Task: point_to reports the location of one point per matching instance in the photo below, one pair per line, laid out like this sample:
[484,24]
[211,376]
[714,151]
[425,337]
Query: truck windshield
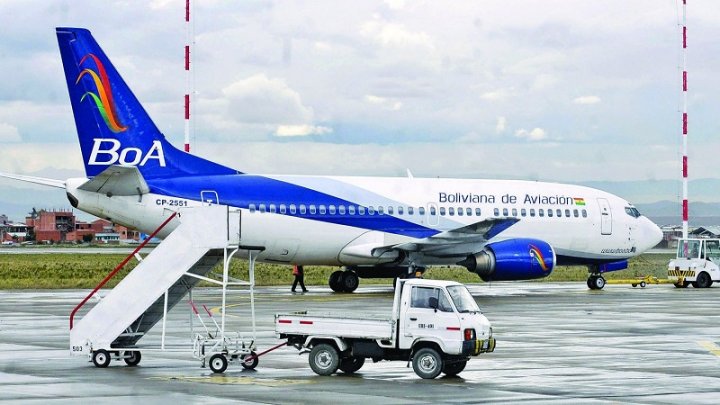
[689,249]
[464,302]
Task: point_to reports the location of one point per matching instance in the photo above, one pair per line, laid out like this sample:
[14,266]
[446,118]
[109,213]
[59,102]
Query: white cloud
[394,35]
[396,4]
[259,99]
[587,100]
[536,134]
[501,125]
[496,95]
[9,133]
[302,130]
[390,104]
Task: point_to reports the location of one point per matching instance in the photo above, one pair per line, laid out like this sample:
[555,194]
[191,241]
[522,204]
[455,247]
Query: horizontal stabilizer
[36,180]
[117,180]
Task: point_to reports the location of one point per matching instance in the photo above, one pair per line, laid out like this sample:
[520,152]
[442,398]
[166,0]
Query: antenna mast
[685,207]
[188,41]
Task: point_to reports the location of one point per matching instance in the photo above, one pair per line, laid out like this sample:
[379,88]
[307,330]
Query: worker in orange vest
[298,272]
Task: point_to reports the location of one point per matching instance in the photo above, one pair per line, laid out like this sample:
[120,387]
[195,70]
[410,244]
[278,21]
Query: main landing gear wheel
[251,362]
[596,282]
[218,363]
[101,358]
[349,281]
[132,359]
[334,281]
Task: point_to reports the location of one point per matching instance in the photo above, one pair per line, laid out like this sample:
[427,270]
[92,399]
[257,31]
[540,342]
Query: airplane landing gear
[596,282]
[344,281]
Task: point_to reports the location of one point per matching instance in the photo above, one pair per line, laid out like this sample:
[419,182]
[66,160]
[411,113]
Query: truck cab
[441,312]
[697,262]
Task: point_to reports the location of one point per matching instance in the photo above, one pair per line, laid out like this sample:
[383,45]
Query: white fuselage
[580,223]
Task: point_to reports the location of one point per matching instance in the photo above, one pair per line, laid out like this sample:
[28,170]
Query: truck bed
[337,325]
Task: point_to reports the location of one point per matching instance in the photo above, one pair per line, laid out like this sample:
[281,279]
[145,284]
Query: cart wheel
[251,362]
[101,358]
[642,284]
[133,360]
[634,285]
[218,363]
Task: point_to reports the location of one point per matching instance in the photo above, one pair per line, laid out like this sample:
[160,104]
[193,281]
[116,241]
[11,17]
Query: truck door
[422,321]
[605,217]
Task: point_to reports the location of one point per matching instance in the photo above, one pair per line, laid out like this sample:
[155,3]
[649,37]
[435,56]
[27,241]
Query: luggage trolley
[217,346]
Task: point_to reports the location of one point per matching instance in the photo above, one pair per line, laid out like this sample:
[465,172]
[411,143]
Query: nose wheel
[596,282]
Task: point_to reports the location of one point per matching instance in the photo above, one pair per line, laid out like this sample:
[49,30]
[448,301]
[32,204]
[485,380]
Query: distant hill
[651,191]
[669,213]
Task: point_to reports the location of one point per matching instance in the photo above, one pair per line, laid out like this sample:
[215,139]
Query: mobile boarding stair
[205,236]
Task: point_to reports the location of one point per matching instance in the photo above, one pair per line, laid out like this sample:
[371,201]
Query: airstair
[205,236]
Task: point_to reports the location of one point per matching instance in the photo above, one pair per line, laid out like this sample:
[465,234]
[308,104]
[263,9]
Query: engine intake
[512,259]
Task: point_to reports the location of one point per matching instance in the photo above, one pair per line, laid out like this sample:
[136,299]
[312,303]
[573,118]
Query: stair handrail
[120,266]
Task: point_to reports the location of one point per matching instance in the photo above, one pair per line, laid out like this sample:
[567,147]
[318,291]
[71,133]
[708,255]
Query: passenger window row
[322,209]
[541,212]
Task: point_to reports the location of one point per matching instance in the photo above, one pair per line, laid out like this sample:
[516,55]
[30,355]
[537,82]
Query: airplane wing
[475,233]
[36,180]
[117,180]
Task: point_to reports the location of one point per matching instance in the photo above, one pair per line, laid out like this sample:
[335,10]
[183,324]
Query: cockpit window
[633,212]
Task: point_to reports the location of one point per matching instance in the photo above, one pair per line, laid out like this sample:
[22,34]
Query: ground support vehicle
[436,325]
[643,281]
[697,263]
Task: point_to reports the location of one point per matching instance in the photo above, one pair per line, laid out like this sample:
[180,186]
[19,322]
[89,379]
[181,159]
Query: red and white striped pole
[685,207]
[187,75]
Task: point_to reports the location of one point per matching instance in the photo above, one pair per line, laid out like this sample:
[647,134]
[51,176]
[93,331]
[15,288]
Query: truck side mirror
[433,303]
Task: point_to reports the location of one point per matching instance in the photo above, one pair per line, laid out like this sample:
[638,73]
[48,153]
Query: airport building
[58,226]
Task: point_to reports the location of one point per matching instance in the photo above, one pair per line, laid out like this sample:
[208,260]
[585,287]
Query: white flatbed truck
[697,263]
[435,324]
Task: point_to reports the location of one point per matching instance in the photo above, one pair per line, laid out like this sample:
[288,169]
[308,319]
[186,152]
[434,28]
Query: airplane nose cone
[652,234]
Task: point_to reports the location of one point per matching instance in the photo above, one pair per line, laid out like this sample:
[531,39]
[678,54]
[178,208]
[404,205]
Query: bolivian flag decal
[579,201]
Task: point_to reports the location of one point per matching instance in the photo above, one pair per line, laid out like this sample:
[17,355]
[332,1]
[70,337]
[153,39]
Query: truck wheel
[334,281]
[427,363]
[453,369]
[349,281]
[133,359]
[218,363]
[101,358]
[324,359]
[350,365]
[703,281]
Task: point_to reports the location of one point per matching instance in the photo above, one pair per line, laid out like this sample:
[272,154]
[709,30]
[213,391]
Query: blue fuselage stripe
[242,190]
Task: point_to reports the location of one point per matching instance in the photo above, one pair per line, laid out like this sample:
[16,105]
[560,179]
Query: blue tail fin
[113,127]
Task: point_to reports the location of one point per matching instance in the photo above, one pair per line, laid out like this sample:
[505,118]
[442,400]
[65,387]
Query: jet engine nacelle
[512,259]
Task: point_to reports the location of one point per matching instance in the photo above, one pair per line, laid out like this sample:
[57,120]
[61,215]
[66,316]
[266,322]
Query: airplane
[373,226]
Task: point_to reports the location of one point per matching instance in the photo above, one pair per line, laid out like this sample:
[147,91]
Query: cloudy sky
[553,90]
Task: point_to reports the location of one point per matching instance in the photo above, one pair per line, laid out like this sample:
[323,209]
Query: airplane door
[605,217]
[433,218]
[209,197]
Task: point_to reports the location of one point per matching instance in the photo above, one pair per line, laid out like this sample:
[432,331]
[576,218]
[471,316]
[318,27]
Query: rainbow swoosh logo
[103,99]
[535,252]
